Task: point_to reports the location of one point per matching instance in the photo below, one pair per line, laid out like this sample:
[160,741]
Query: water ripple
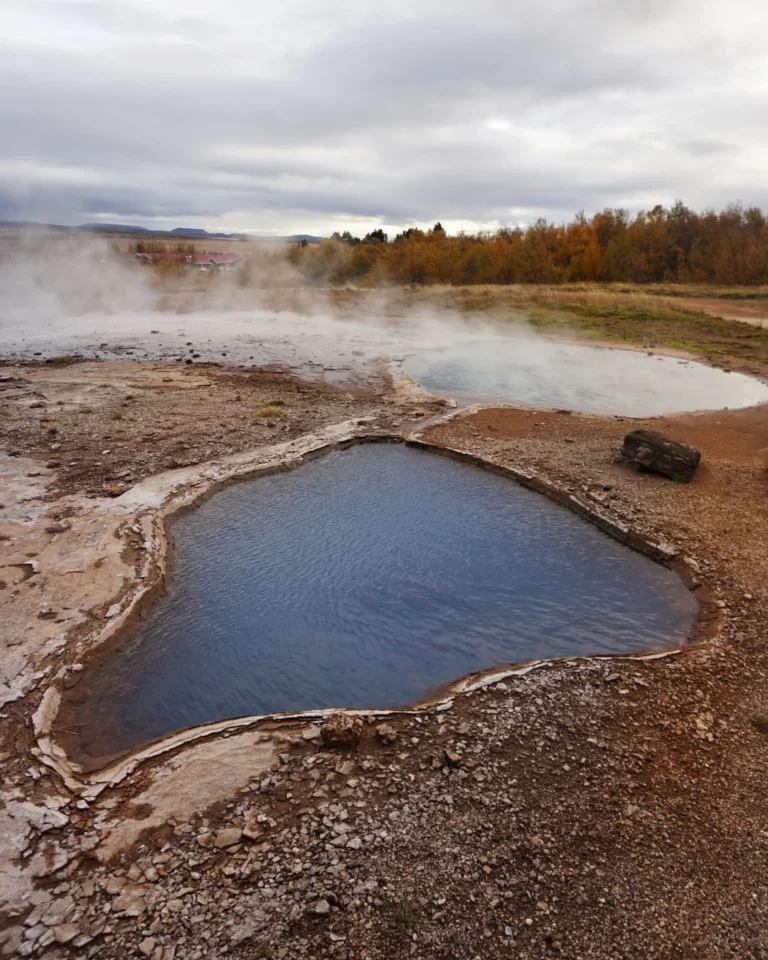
[363,579]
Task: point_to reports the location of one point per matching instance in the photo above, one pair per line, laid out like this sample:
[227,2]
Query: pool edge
[88,783]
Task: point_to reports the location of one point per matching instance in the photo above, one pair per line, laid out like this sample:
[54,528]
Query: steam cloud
[67,295]
[64,294]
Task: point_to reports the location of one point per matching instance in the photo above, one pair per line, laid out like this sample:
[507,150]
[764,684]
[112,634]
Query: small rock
[11,939]
[57,527]
[147,946]
[130,901]
[65,932]
[58,912]
[243,933]
[228,837]
[71,680]
[322,908]
[135,908]
[386,733]
[342,730]
[253,830]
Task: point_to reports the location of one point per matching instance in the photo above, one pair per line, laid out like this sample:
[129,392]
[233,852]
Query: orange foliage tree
[661,245]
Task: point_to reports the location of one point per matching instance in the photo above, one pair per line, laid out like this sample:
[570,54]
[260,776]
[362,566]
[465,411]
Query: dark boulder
[657,453]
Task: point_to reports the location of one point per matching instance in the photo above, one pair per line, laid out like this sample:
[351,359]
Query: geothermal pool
[542,373]
[470,361]
[367,578]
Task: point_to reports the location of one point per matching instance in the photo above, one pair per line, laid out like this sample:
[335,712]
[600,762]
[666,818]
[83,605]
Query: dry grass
[621,313]
[270,410]
[620,300]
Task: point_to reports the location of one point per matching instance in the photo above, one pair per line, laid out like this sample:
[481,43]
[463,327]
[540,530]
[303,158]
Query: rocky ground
[608,808]
[102,426]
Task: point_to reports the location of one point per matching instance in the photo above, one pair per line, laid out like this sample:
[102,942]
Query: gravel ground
[604,809]
[104,426]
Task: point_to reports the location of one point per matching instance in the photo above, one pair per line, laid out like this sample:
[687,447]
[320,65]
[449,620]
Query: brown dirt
[608,810]
[109,425]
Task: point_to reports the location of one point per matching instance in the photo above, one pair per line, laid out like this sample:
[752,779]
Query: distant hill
[113,227]
[197,233]
[194,232]
[189,233]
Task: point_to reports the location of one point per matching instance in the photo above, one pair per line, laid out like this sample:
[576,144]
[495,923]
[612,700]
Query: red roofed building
[202,261]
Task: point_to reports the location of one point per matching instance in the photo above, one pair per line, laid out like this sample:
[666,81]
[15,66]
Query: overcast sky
[315,115]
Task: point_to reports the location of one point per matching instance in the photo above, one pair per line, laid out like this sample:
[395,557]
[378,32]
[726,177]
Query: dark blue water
[543,373]
[363,579]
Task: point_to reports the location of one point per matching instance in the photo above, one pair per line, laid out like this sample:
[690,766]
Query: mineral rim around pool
[367,578]
[542,373]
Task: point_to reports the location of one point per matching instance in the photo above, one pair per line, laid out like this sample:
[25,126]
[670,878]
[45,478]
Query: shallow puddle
[542,373]
[366,578]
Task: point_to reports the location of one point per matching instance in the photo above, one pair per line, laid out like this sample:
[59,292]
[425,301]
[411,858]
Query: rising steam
[79,294]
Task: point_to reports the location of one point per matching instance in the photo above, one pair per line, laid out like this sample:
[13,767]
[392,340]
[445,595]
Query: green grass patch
[63,360]
[760,724]
[691,332]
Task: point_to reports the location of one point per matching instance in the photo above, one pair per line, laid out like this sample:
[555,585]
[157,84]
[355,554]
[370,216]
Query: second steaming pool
[586,379]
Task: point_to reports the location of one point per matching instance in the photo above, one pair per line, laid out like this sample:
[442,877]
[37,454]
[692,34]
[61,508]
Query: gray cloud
[317,115]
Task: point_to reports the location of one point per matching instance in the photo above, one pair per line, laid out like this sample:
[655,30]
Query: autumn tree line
[674,245]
